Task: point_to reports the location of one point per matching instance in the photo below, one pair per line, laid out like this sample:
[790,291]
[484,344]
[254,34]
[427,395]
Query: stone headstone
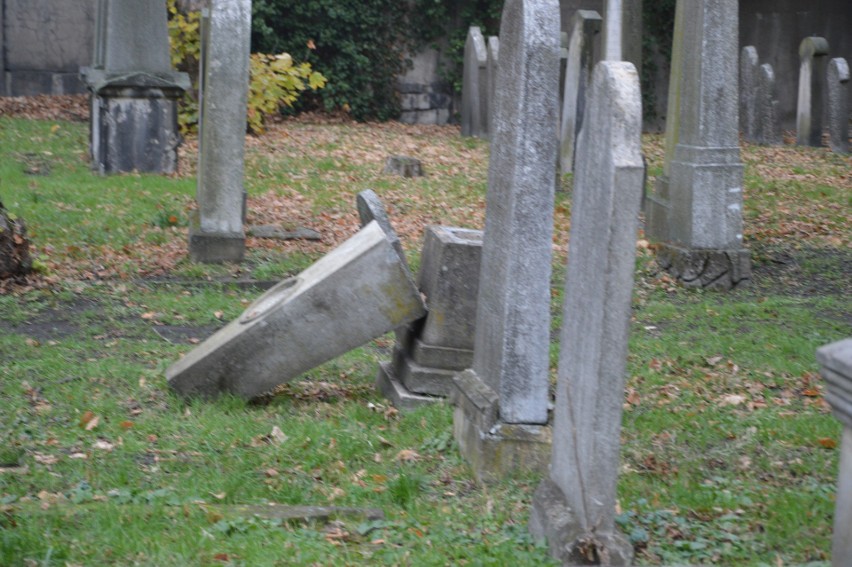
[813,57]
[837,114]
[695,211]
[509,378]
[492,58]
[584,25]
[430,351]
[474,111]
[218,234]
[357,292]
[134,92]
[612,25]
[766,113]
[371,208]
[575,507]
[748,92]
[836,368]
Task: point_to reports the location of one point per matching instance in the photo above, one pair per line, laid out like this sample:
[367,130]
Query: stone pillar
[575,507]
[748,92]
[695,211]
[502,402]
[134,92]
[585,24]
[613,30]
[836,362]
[766,113]
[474,111]
[492,53]
[217,234]
[813,56]
[837,114]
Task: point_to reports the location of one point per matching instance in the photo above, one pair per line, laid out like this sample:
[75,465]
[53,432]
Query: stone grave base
[552,519]
[403,399]
[214,248]
[495,449]
[711,269]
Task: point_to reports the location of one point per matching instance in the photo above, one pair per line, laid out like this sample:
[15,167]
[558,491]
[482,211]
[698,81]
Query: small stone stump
[404,166]
[836,362]
[15,260]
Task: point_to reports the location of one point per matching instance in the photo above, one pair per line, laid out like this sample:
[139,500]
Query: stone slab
[421,379]
[474,112]
[837,112]
[813,58]
[836,368]
[440,357]
[749,64]
[712,269]
[841,546]
[214,248]
[357,292]
[370,208]
[768,122]
[47,35]
[401,398]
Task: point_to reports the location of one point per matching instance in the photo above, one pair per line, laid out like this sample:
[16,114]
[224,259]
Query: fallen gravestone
[575,508]
[370,208]
[836,368]
[813,57]
[837,114]
[502,402]
[357,292]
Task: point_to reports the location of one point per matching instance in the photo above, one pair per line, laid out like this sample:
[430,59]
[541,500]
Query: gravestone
[836,368]
[837,114]
[134,91]
[404,166]
[492,58]
[585,24]
[217,234]
[612,30]
[766,113]
[501,412]
[695,211]
[370,208]
[574,508]
[813,57]
[357,292]
[430,351]
[474,110]
[749,90]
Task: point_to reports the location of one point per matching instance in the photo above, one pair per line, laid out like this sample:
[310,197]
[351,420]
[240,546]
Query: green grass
[729,454]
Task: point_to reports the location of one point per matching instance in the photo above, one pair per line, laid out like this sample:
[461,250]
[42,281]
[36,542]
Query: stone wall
[43,43]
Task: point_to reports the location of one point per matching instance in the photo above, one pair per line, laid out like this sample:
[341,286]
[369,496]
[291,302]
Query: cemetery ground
[729,452]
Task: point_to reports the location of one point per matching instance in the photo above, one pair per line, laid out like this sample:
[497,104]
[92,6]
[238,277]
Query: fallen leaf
[731,400]
[46,459]
[103,445]
[828,442]
[407,456]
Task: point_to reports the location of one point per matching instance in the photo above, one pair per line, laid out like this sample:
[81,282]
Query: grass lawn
[729,452]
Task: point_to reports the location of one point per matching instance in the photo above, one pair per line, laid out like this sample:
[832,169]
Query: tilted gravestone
[837,114]
[584,25]
[813,57]
[695,211]
[474,110]
[836,368]
[359,291]
[502,402]
[134,91]
[749,89]
[430,351]
[217,234]
[574,508]
[767,121]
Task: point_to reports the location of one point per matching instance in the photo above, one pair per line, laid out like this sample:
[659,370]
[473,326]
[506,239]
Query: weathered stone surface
[46,35]
[226,36]
[15,260]
[696,206]
[837,114]
[768,122]
[371,208]
[585,24]
[404,166]
[612,25]
[474,109]
[836,368]
[748,92]
[357,292]
[401,397]
[813,57]
[492,60]
[512,320]
[608,186]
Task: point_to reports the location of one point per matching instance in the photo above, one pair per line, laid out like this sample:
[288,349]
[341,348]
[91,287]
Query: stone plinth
[134,92]
[836,362]
[429,352]
[359,291]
